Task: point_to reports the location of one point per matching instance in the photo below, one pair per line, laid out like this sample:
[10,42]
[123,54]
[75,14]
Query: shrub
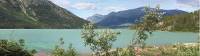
[60,51]
[179,50]
[13,48]
[187,51]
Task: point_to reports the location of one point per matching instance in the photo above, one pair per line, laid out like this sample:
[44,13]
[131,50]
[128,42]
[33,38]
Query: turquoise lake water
[46,39]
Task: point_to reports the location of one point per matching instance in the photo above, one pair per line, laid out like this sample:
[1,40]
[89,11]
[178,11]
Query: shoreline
[194,44]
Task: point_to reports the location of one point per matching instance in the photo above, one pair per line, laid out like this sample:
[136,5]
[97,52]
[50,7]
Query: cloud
[184,5]
[62,3]
[84,6]
[188,3]
[114,8]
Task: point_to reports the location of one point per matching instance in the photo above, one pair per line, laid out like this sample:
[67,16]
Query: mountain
[129,16]
[36,14]
[95,18]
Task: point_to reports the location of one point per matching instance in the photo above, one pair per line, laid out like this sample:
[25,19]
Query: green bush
[187,51]
[99,43]
[13,48]
[179,50]
[60,51]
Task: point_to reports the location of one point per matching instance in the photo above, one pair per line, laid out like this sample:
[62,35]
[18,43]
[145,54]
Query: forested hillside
[182,22]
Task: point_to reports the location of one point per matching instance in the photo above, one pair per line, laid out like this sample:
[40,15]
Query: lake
[46,39]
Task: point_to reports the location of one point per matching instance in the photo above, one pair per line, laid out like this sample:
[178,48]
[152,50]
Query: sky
[86,8]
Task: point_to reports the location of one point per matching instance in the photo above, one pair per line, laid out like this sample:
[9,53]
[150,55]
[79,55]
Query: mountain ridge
[129,16]
[95,18]
[36,14]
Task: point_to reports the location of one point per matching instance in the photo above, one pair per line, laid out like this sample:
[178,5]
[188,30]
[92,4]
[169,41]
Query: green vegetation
[151,22]
[171,50]
[60,51]
[147,26]
[187,22]
[182,22]
[187,51]
[99,43]
[13,48]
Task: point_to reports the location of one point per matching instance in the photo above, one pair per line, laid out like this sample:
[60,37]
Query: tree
[99,43]
[182,22]
[147,25]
